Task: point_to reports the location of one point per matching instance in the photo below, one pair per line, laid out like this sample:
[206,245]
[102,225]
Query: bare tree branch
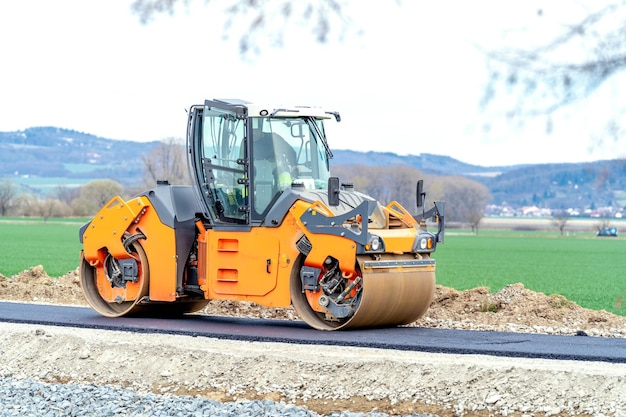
[7,196]
[166,162]
[563,70]
[147,9]
[259,23]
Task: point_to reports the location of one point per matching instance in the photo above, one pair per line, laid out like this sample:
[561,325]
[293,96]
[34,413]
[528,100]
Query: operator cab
[243,156]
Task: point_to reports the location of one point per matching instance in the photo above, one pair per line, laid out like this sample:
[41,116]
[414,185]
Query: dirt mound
[514,308]
[517,308]
[34,285]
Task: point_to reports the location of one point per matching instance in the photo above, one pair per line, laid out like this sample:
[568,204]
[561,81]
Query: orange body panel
[397,240]
[252,265]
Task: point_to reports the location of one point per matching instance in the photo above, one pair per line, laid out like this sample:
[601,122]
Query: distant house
[531,211]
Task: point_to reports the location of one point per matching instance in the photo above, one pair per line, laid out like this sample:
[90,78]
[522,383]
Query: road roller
[263,221]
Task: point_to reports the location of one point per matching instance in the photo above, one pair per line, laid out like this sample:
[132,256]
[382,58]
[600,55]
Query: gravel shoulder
[324,379]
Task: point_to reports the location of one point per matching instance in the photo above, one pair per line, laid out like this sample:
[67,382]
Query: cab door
[235,257]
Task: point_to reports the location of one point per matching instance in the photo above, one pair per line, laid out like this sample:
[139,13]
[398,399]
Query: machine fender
[327,236]
[107,228]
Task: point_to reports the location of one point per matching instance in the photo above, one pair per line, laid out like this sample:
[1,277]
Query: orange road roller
[265,222]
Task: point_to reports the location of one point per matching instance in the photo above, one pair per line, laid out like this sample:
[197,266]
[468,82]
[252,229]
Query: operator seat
[273,156]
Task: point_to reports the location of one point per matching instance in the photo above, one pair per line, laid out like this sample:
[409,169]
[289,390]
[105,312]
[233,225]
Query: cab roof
[265,110]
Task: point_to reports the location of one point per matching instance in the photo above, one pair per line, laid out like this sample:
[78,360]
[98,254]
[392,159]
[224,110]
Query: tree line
[465,198]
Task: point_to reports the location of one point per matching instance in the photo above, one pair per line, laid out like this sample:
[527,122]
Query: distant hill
[67,155]
[561,186]
[428,163]
[55,152]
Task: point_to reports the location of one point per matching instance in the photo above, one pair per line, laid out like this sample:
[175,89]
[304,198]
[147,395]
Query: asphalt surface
[580,348]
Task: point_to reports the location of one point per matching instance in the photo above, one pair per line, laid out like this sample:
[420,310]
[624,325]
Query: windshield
[286,151]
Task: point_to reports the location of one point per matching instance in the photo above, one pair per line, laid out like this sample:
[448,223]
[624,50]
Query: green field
[29,242]
[588,270]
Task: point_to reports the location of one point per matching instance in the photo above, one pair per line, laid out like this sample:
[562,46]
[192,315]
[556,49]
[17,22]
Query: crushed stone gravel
[307,380]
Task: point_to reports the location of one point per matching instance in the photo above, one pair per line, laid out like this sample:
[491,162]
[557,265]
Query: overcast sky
[407,79]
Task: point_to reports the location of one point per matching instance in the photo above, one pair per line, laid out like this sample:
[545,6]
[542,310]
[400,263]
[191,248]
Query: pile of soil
[34,285]
[514,308]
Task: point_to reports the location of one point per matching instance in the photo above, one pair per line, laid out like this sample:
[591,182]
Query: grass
[29,242]
[585,269]
[588,270]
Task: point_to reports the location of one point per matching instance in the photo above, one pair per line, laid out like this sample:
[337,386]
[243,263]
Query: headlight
[375,244]
[424,242]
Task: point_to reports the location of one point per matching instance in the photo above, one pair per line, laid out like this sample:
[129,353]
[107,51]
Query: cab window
[223,145]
